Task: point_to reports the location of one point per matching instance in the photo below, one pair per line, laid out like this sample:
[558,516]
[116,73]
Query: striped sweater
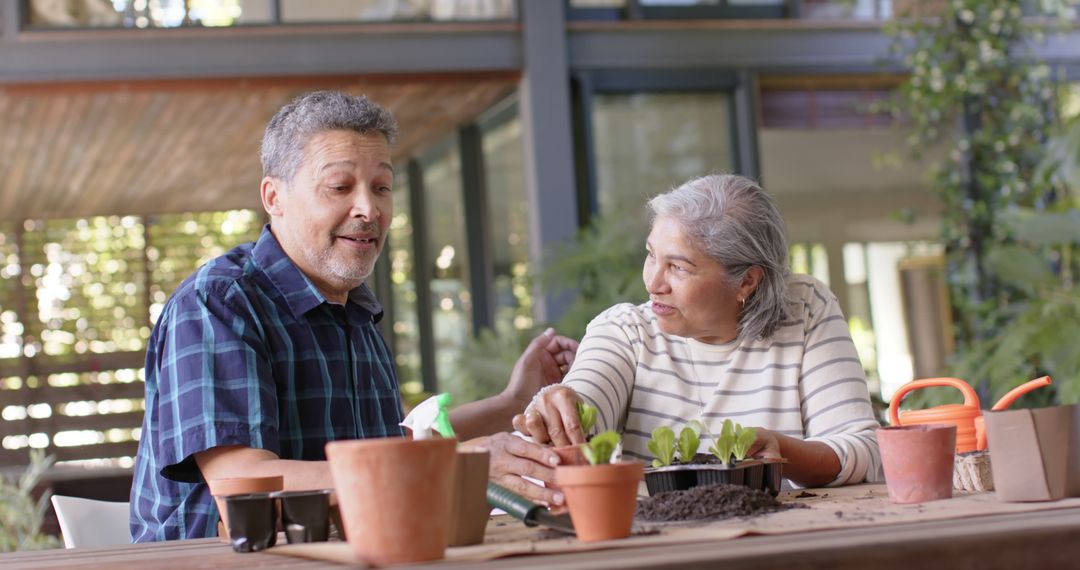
[806,381]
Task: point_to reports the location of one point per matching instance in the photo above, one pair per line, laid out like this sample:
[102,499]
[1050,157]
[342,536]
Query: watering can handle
[970,397]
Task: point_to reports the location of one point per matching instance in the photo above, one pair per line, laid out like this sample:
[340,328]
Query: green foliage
[976,90]
[486,363]
[689,441]
[587,417]
[733,442]
[662,446]
[599,267]
[601,447]
[20,515]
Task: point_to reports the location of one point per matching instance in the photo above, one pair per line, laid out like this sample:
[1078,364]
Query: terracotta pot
[469,511]
[395,496]
[601,498]
[221,488]
[918,461]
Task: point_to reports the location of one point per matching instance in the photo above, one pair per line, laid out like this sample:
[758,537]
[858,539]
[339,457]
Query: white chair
[86,523]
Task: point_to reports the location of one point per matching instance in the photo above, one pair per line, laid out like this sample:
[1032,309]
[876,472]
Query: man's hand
[545,361]
[512,458]
[553,417]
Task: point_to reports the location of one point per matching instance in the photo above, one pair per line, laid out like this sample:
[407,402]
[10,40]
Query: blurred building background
[129,134]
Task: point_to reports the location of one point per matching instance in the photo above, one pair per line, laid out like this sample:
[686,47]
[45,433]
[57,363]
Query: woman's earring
[742,301]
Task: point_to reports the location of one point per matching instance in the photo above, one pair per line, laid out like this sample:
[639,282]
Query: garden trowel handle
[514,504]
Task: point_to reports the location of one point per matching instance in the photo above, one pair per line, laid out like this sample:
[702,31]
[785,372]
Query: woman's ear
[750,281]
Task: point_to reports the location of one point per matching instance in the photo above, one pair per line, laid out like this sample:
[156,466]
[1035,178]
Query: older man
[271,350]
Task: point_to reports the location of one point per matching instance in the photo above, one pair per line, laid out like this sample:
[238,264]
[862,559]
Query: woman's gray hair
[289,131]
[735,222]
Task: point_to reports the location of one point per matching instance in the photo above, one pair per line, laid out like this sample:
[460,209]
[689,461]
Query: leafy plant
[599,267]
[601,447]
[662,446]
[976,90]
[733,442]
[689,441]
[587,417]
[20,515]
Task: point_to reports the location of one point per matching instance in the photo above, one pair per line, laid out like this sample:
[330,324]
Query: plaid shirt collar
[300,294]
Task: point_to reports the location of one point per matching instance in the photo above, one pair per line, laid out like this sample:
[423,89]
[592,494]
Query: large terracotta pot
[221,488]
[395,496]
[602,498]
[918,461]
[469,511]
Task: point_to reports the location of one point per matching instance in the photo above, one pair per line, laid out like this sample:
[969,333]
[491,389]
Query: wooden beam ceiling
[84,149]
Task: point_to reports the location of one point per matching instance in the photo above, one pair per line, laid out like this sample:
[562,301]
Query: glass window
[181,243]
[646,143]
[149,13]
[450,298]
[89,279]
[507,203]
[845,9]
[399,254]
[11,327]
[294,11]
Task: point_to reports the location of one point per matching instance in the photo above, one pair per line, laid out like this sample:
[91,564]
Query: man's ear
[271,190]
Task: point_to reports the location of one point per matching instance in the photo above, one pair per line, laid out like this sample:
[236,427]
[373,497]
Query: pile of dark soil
[709,502]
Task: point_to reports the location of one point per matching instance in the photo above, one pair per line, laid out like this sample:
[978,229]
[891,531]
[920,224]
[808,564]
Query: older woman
[727,334]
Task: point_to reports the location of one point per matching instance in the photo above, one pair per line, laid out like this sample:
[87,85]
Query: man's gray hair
[289,131]
[736,223]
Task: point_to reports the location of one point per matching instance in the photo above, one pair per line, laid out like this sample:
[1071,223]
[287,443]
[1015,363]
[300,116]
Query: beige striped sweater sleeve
[805,381]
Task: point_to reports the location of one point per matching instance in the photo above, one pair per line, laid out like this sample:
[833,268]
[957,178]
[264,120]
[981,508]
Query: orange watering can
[967,417]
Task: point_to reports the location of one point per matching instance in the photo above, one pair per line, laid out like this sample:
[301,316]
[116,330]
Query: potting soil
[708,502]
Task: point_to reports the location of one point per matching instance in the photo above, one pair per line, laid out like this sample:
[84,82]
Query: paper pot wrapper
[1035,453]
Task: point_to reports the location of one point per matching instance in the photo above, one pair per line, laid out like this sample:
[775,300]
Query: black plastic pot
[761,474]
[252,522]
[305,515]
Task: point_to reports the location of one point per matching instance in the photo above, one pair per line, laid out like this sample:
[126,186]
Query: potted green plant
[726,463]
[572,454]
[601,495]
[20,514]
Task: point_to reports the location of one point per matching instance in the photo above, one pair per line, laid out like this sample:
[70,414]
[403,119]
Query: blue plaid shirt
[248,352]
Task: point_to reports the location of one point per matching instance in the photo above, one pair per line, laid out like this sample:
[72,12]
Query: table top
[1011,540]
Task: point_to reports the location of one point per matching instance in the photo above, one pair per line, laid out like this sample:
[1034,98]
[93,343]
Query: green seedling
[587,417]
[689,441]
[744,438]
[733,442]
[600,448]
[662,446]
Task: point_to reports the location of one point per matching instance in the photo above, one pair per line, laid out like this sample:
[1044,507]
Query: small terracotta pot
[394,495]
[221,488]
[601,498]
[469,511]
[918,461]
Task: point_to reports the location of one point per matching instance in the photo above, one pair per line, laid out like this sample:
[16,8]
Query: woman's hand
[513,458]
[766,445]
[552,417]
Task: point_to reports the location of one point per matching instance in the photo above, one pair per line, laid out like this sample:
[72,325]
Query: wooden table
[1023,540]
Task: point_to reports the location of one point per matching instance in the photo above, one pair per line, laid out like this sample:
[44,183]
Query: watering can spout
[1014,394]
